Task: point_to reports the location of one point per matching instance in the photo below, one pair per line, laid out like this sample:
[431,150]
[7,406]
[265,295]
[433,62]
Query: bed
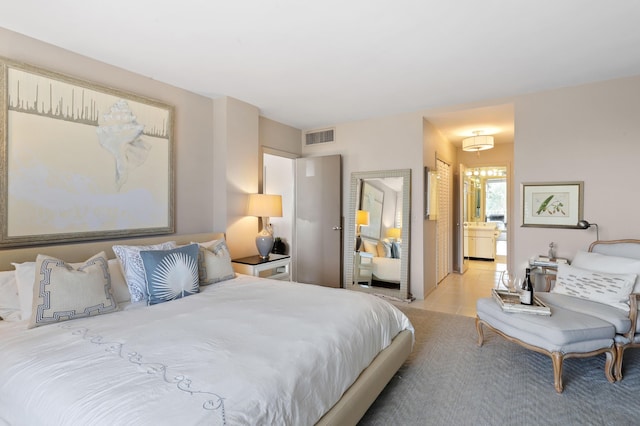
[385,259]
[245,350]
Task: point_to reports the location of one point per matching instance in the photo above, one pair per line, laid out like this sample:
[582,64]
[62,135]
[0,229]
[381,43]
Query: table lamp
[394,233]
[362,219]
[265,206]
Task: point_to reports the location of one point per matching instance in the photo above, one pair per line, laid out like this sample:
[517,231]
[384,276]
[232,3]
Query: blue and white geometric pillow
[132,268]
[171,274]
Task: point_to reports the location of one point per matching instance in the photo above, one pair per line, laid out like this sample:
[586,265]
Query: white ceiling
[311,64]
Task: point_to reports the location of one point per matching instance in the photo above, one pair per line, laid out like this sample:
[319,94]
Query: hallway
[457,294]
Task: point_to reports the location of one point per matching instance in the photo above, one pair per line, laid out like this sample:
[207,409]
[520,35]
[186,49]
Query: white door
[317,257]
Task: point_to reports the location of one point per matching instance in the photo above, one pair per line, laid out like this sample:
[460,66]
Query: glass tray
[510,302]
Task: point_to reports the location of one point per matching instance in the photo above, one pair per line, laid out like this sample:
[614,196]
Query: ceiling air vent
[319,136]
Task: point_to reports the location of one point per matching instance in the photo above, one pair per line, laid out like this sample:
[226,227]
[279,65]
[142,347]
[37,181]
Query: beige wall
[193,136]
[386,143]
[588,133]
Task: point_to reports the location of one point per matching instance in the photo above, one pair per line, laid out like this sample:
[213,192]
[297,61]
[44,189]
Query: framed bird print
[552,205]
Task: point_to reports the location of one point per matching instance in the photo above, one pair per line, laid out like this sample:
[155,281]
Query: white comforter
[245,351]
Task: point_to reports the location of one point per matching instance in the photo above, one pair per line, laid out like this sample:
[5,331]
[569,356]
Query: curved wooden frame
[633,303]
[557,358]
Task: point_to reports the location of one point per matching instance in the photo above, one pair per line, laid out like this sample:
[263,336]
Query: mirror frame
[356,177]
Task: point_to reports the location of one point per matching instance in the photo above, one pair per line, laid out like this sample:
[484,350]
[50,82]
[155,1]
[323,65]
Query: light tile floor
[458,293]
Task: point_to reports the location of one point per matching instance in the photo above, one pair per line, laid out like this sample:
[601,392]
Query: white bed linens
[386,269]
[244,351]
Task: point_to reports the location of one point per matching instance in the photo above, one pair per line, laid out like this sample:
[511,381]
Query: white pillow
[384,249]
[25,276]
[608,264]
[214,262]
[9,300]
[63,292]
[133,269]
[610,289]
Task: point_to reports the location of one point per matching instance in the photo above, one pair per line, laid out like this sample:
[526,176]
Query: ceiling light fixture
[478,142]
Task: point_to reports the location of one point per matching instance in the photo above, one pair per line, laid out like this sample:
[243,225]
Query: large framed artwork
[80,161]
[552,205]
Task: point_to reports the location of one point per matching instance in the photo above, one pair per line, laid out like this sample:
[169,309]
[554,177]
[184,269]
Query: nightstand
[276,267]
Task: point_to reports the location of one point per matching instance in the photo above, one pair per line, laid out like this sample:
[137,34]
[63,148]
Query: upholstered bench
[564,334]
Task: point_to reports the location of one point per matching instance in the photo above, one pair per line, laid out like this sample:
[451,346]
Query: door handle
[337,228]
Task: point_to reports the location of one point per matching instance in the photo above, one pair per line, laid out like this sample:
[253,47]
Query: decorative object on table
[551,253]
[71,141]
[279,246]
[478,142]
[512,282]
[552,205]
[583,224]
[362,219]
[265,206]
[510,302]
[526,295]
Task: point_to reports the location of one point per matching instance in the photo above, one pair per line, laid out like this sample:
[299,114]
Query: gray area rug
[450,380]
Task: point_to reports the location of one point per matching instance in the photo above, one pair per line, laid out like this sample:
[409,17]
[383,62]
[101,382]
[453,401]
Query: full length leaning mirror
[376,258]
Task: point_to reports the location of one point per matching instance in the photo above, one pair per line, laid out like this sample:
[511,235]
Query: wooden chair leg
[479,330]
[612,359]
[618,363]
[557,358]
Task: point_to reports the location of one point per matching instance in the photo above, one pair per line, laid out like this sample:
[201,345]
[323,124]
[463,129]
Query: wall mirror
[376,258]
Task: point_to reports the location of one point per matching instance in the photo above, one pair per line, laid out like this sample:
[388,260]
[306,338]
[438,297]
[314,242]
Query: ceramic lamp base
[264,243]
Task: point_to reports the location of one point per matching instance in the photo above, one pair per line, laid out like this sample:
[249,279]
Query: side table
[276,267]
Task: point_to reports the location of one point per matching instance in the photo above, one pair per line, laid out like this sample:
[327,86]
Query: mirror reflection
[377,252]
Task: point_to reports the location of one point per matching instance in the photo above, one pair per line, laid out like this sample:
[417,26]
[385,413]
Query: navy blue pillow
[171,274]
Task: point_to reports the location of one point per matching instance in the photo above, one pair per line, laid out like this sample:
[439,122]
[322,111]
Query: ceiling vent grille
[319,136]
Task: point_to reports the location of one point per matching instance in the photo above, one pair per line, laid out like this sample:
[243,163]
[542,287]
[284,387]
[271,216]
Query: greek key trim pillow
[214,262]
[62,292]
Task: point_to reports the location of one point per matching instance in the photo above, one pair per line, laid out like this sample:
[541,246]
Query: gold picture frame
[81,161]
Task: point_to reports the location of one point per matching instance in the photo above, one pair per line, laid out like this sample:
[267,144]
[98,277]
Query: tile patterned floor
[457,293]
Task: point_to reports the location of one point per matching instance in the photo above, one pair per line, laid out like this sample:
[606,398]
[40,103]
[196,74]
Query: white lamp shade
[477,143]
[265,205]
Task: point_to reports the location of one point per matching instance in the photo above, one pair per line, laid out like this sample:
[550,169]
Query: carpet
[450,380]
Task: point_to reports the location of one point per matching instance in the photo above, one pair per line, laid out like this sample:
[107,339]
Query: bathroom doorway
[484,217]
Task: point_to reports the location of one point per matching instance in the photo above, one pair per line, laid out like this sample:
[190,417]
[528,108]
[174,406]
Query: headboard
[621,248]
[81,251]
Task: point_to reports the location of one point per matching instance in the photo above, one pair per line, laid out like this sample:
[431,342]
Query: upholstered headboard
[78,252]
[621,248]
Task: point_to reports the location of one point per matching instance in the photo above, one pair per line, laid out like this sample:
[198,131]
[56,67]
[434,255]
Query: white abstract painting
[81,160]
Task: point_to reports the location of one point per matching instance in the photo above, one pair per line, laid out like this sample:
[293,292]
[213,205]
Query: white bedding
[386,269]
[244,351]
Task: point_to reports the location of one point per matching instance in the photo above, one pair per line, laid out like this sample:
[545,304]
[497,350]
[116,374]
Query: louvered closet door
[443,224]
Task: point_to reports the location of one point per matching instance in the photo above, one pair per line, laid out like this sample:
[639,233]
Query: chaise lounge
[594,310]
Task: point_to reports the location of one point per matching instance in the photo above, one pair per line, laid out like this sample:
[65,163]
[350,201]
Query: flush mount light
[478,142]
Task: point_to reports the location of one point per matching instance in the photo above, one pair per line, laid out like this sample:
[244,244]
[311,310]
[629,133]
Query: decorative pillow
[396,250]
[9,301]
[214,262]
[171,274]
[118,283]
[132,268]
[609,264]
[610,289]
[384,249]
[62,292]
[370,247]
[25,275]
